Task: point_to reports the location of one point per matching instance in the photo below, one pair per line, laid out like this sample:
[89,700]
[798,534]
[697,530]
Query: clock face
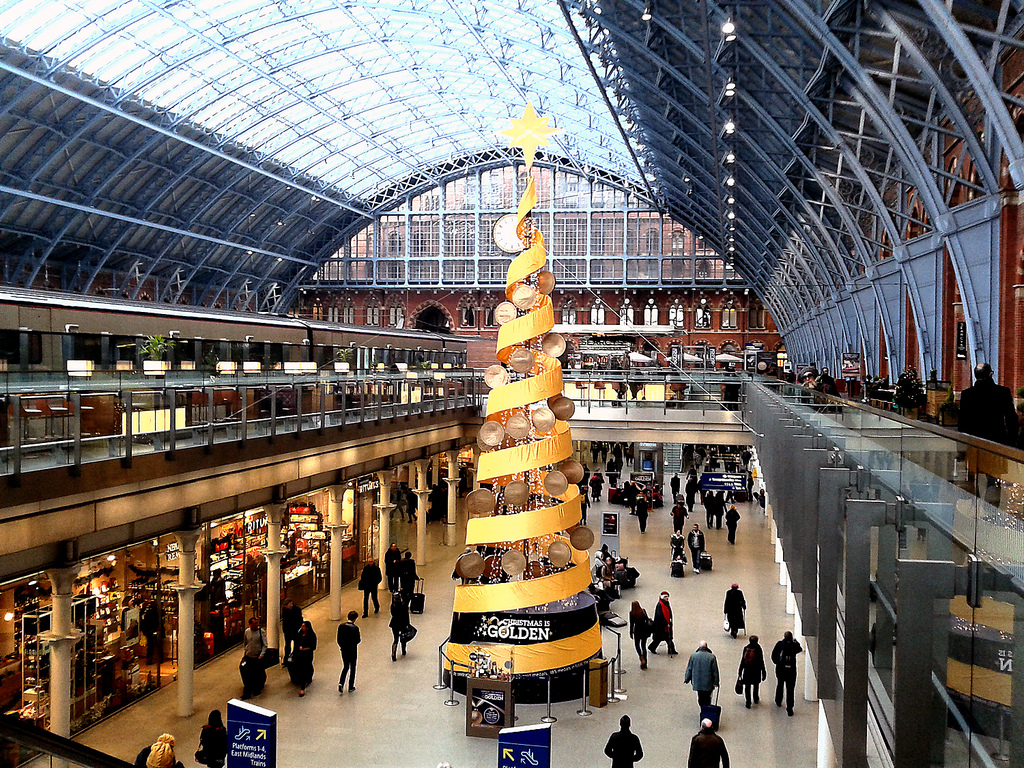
[505,234]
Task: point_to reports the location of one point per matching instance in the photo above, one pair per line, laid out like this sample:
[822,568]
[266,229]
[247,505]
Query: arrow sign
[533,743]
[507,754]
[261,734]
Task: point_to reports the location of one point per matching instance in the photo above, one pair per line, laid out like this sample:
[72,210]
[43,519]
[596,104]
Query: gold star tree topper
[529,132]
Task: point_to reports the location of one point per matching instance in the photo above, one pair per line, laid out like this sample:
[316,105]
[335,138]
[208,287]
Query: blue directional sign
[525,747]
[252,736]
[723,481]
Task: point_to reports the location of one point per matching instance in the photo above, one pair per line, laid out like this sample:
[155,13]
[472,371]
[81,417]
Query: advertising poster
[851,364]
[766,362]
[489,706]
[610,524]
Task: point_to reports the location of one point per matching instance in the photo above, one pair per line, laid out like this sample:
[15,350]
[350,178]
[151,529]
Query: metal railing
[85,423]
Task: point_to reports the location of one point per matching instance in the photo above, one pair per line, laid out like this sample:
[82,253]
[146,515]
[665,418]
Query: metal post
[439,685]
[548,717]
[16,440]
[451,702]
[172,425]
[321,391]
[617,688]
[273,412]
[362,401]
[344,404]
[298,411]
[209,419]
[584,710]
[243,401]
[126,460]
[76,434]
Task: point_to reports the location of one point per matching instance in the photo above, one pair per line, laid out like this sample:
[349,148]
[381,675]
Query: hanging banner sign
[961,340]
[851,364]
[522,628]
[723,481]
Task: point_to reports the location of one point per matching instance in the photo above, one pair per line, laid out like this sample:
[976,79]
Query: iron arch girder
[984,87]
[776,129]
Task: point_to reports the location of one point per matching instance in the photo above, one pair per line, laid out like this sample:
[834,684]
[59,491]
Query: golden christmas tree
[523,606]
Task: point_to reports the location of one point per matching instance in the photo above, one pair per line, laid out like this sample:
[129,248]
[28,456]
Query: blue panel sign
[723,481]
[525,747]
[252,736]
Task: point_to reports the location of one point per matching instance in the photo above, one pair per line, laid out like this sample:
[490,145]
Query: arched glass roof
[355,95]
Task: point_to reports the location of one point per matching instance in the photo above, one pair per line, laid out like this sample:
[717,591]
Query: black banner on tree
[521,628]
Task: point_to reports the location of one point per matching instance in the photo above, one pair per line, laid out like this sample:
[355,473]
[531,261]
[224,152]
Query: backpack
[749,656]
[787,659]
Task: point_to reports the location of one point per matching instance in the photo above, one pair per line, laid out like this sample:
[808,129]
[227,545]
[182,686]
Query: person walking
[752,671]
[674,484]
[702,673]
[407,576]
[643,506]
[291,622]
[213,742]
[369,581]
[732,518]
[695,541]
[584,506]
[719,509]
[391,559]
[735,605]
[707,748]
[662,626]
[640,628]
[986,409]
[596,484]
[623,746]
[348,642]
[692,486]
[412,503]
[679,515]
[399,623]
[784,658]
[301,668]
[254,648]
[707,499]
[159,754]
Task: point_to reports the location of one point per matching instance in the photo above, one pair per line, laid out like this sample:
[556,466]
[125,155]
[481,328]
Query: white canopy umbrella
[725,357]
[688,358]
[637,357]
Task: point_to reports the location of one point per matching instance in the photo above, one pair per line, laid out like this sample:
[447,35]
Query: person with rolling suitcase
[251,668]
[418,599]
[407,576]
[695,541]
[707,748]
[702,673]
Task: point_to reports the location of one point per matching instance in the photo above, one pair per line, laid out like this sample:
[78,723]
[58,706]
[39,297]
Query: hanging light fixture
[647,15]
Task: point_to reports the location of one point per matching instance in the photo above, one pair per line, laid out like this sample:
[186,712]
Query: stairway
[673,456]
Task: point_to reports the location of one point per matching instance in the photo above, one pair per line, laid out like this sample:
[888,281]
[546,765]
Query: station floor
[395,718]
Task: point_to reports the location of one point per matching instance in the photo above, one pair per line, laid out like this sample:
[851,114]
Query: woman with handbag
[640,628]
[213,742]
[752,671]
[301,666]
[401,630]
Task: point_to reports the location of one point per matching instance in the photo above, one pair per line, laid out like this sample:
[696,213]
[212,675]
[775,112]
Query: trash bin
[598,682]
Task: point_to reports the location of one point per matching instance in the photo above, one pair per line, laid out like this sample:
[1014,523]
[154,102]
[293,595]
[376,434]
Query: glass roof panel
[362,92]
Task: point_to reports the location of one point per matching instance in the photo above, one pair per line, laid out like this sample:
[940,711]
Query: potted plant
[909,393]
[153,350]
[949,409]
[343,359]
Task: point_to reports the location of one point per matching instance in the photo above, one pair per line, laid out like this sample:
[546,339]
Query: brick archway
[433,317]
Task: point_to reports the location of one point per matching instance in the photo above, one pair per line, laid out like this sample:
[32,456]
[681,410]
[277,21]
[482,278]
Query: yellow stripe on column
[509,461]
[479,598]
[538,657]
[525,525]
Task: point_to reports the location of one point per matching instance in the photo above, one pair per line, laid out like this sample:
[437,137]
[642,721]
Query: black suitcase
[706,562]
[418,599]
[711,712]
[678,569]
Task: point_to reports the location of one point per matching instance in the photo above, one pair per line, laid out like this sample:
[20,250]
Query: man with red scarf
[662,626]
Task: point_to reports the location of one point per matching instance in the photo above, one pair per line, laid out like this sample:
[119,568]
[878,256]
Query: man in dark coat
[291,622]
[407,575]
[623,746]
[662,626]
[642,509]
[707,749]
[735,605]
[369,580]
[695,541]
[784,658]
[732,517]
[679,516]
[674,484]
[752,671]
[391,569]
[348,640]
[692,485]
[986,409]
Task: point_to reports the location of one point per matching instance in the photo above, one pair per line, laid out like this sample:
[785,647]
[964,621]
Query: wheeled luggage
[706,561]
[418,599]
[254,676]
[712,712]
[679,568]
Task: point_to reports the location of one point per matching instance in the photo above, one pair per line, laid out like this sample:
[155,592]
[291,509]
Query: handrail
[41,740]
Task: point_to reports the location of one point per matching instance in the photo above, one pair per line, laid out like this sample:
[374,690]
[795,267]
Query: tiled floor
[395,718]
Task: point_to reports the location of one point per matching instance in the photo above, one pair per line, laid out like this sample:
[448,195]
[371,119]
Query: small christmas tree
[909,392]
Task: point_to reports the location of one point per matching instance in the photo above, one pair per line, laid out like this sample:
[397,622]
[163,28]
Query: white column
[62,638]
[274,552]
[384,508]
[453,497]
[337,527]
[186,588]
[826,750]
[422,495]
